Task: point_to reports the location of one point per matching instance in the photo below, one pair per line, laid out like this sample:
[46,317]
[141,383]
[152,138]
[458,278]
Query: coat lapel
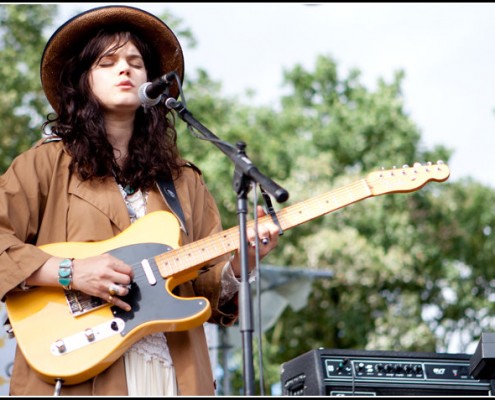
[105,196]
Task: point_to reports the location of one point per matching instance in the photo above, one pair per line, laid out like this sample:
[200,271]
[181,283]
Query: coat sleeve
[23,190]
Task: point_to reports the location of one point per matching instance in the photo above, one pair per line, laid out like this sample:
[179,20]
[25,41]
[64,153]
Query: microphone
[150,93]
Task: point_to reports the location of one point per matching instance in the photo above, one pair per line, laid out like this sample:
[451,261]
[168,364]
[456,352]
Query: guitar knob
[60,345]
[90,335]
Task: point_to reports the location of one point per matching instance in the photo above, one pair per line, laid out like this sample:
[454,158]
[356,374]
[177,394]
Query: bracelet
[65,273]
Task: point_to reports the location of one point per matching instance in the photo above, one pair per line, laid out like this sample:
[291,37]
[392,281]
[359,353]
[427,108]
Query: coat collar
[106,197]
[103,195]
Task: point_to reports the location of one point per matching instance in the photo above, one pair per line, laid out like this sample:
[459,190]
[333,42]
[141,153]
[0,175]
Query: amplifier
[337,372]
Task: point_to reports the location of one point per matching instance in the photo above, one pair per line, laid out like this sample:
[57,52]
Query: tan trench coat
[42,203]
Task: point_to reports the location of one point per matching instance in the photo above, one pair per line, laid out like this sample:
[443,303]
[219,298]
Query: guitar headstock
[406,179]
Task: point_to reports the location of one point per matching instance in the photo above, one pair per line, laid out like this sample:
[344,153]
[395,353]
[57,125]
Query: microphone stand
[245,172]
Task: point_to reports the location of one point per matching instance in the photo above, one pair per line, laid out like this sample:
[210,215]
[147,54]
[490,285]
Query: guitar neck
[199,253]
[403,180]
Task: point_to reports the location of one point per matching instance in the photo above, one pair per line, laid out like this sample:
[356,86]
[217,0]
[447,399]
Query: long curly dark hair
[152,152]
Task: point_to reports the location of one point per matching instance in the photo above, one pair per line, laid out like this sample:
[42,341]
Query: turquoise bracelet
[65,273]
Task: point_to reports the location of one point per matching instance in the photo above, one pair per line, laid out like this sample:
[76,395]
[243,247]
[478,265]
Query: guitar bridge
[88,336]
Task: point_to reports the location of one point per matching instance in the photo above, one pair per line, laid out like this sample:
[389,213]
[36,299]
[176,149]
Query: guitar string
[360,188]
[220,240]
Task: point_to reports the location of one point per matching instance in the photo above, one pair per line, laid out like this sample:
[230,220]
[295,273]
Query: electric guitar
[70,336]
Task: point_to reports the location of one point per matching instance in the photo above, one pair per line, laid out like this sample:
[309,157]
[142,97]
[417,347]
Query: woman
[94,175]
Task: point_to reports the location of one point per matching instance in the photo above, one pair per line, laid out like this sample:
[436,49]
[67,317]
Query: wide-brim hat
[69,38]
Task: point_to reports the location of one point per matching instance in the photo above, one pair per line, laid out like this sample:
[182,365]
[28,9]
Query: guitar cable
[271,212]
[258,290]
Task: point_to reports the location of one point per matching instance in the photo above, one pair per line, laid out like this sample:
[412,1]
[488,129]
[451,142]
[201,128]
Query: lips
[125,84]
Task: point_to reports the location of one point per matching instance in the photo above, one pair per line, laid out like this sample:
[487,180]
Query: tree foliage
[411,271]
[22,104]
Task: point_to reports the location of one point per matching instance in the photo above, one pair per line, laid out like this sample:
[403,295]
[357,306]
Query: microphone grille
[143,97]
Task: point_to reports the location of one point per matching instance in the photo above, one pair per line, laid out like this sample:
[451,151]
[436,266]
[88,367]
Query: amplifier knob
[417,369]
[342,366]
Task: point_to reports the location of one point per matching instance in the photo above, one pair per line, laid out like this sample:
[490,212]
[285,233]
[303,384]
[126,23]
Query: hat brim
[71,36]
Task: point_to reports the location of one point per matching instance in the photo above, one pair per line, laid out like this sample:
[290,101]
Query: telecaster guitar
[68,336]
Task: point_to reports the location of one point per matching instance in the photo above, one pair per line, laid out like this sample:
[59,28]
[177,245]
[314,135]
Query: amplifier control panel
[393,369]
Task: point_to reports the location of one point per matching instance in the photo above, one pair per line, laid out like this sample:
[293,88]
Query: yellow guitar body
[41,316]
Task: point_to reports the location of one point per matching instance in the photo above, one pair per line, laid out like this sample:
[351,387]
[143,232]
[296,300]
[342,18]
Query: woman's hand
[103,276]
[268,234]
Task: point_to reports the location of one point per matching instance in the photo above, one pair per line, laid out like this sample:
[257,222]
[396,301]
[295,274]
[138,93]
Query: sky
[446,50]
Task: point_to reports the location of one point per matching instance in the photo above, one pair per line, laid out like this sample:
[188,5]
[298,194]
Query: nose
[123,67]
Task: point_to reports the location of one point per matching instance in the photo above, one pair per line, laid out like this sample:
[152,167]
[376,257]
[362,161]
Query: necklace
[128,190]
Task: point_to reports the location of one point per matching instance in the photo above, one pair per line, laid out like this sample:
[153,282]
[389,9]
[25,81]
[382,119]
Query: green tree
[333,132]
[22,104]
[411,271]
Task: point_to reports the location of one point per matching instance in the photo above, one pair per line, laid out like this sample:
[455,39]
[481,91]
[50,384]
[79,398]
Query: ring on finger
[265,240]
[113,289]
[110,298]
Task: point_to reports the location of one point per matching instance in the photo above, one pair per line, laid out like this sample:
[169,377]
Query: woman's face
[116,77]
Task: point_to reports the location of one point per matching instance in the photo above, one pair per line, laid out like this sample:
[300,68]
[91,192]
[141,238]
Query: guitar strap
[169,194]
[270,210]
[167,189]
